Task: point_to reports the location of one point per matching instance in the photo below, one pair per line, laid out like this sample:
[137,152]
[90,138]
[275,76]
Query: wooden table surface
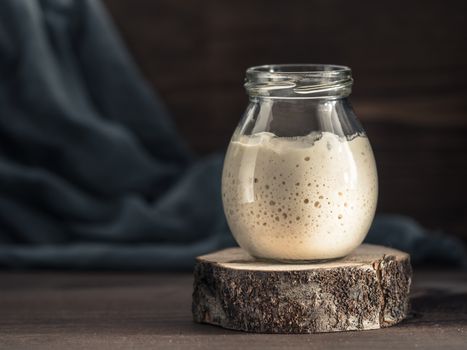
[153,311]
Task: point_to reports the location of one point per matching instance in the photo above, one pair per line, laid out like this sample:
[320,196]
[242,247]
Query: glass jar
[299,181]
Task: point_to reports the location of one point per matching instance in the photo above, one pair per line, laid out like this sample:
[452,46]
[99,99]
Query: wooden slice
[368,289]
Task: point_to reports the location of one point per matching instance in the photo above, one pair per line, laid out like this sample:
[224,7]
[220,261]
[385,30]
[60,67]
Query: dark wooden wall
[409,61]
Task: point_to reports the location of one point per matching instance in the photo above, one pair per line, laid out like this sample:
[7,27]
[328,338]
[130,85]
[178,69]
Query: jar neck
[303,81]
[299,117]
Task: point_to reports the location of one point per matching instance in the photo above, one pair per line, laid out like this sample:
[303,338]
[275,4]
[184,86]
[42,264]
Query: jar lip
[299,80]
[305,69]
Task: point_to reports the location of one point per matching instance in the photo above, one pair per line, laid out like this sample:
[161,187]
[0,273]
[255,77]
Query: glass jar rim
[314,69]
[299,80]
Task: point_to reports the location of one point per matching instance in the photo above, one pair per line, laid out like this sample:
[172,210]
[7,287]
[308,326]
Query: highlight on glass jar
[299,181]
